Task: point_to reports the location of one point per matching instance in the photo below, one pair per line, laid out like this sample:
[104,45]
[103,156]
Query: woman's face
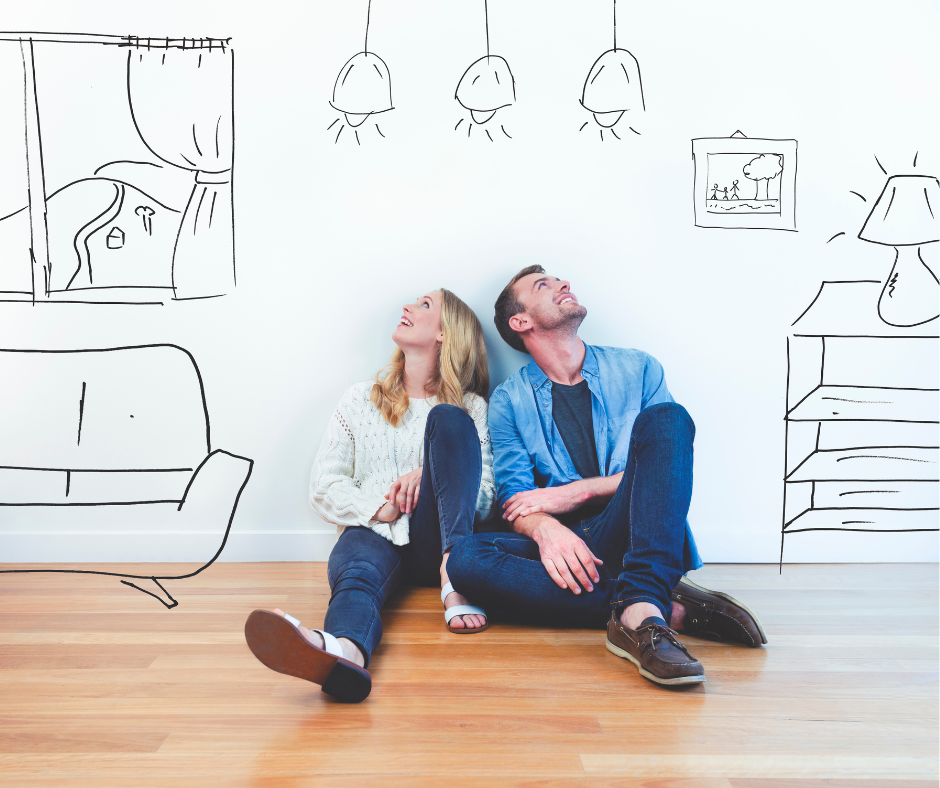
[420,325]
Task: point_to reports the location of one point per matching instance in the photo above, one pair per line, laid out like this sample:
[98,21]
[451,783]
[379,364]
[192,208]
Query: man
[593,464]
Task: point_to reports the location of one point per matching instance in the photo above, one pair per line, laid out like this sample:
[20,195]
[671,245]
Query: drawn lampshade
[363,88]
[613,87]
[904,217]
[486,87]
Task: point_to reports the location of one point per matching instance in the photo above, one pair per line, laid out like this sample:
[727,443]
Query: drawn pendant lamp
[363,88]
[613,88]
[905,217]
[485,88]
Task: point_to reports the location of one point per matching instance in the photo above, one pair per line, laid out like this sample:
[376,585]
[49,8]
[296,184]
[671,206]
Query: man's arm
[561,499]
[563,553]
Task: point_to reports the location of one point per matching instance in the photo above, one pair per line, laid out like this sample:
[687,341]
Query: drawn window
[117,169]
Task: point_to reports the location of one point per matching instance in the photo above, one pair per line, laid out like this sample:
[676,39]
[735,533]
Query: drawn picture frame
[766,167]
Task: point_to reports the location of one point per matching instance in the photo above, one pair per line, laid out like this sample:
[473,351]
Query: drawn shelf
[861,421]
[864,403]
[883,463]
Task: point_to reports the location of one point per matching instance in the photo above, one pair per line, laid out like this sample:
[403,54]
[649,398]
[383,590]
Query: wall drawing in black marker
[363,89]
[744,183]
[612,90]
[114,446]
[861,447]
[485,88]
[118,153]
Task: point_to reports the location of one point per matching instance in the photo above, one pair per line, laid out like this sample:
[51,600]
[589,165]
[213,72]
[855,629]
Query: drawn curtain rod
[137,42]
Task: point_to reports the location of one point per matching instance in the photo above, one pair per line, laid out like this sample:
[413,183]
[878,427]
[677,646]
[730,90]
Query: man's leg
[643,529]
[504,572]
[450,483]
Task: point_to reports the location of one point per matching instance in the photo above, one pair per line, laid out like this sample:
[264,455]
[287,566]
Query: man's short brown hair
[508,304]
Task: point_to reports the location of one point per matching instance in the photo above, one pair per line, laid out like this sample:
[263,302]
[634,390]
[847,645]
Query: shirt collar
[588,369]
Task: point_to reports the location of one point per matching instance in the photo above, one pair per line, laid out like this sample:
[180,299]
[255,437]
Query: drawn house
[861,419]
[113,448]
[101,132]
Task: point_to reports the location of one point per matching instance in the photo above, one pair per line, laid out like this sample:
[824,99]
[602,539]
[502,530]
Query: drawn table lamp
[903,217]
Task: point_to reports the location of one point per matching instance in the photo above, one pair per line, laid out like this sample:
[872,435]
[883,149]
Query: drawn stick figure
[725,193]
[715,191]
[734,191]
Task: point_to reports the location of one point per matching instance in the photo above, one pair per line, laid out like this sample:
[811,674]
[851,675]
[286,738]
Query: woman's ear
[440,338]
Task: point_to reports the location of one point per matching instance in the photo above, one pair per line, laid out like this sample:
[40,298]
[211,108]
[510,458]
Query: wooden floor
[101,686]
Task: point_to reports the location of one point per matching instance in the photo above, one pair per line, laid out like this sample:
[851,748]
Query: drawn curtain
[181,103]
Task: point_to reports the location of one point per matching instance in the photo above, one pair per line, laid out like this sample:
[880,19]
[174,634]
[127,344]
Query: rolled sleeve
[654,384]
[512,465]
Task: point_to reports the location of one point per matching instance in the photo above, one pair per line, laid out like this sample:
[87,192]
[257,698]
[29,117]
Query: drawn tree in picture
[765,168]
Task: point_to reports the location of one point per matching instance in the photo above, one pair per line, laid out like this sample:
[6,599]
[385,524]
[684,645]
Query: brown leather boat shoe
[717,616]
[654,648]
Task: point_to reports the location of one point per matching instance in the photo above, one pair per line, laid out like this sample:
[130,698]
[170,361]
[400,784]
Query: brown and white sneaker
[654,648]
[717,616]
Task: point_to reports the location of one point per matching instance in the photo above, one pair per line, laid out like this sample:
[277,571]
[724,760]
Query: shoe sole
[279,646]
[733,601]
[698,679]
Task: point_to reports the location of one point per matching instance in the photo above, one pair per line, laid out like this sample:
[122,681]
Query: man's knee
[668,418]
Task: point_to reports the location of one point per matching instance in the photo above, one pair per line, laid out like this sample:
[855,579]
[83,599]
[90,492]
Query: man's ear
[520,322]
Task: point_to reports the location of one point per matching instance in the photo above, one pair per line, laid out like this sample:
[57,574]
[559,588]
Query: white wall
[332,238]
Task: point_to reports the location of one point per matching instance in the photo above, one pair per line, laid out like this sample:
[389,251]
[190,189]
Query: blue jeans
[364,568]
[643,529]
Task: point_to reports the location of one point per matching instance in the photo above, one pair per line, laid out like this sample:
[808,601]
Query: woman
[404,469]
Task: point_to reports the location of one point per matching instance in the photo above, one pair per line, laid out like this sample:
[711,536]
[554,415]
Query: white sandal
[462,610]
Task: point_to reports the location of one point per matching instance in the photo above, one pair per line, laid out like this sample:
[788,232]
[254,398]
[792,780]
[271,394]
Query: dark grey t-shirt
[571,412]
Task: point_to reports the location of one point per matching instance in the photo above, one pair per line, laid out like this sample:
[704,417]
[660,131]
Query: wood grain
[101,686]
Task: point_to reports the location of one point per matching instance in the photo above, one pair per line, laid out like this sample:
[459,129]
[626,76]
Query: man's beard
[560,319]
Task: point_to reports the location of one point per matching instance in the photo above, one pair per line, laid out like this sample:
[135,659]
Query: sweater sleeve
[334,494]
[477,409]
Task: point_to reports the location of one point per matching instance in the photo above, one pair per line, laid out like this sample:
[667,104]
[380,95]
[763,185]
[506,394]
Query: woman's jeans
[643,531]
[364,568]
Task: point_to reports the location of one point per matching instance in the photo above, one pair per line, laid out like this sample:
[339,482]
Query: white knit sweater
[362,454]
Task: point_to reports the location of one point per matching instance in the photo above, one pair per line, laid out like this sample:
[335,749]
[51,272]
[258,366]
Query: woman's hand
[387,513]
[404,491]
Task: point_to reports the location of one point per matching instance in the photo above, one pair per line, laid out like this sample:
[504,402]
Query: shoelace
[659,631]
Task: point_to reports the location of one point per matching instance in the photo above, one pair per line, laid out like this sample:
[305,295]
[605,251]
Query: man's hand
[548,500]
[404,491]
[565,556]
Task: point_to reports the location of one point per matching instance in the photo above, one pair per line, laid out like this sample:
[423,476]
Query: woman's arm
[334,494]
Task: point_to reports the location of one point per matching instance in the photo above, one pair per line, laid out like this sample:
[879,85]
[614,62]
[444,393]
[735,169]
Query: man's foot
[654,648]
[716,616]
[350,650]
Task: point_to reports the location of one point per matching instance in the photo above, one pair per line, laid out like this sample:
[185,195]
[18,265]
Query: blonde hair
[461,365]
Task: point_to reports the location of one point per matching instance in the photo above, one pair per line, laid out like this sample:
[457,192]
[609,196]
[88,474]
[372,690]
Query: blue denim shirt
[528,451]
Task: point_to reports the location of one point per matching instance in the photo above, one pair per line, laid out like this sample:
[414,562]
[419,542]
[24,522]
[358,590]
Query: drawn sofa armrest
[211,497]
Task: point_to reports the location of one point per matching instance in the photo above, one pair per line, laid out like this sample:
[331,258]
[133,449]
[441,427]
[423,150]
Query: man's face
[549,303]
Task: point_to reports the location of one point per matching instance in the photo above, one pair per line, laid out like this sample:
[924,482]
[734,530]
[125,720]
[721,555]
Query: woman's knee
[450,419]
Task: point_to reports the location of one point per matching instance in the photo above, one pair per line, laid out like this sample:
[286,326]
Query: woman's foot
[350,650]
[471,621]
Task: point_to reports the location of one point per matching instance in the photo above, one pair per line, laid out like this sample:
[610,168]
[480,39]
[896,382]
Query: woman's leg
[364,568]
[447,501]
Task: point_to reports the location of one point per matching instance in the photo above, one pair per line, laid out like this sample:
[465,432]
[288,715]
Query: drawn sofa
[106,459]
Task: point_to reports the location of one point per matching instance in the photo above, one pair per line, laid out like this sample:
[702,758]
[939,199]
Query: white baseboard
[821,547]
[110,547]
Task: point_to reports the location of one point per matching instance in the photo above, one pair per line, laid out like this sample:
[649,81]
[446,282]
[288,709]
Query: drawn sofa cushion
[113,441]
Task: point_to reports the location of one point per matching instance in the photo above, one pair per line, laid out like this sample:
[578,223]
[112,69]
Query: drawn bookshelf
[861,423]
